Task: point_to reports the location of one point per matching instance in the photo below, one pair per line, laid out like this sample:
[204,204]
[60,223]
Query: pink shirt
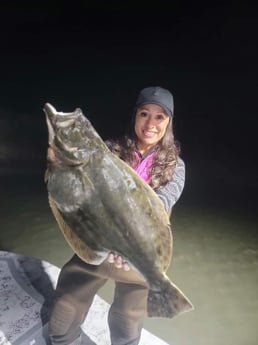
[142,166]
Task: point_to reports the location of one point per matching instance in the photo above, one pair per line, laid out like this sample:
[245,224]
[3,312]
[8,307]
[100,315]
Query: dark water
[215,258]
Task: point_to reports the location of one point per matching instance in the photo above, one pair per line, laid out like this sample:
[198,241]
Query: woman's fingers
[118,261]
[111,258]
[126,267]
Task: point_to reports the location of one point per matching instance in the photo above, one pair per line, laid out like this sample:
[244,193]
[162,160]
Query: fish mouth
[59,120]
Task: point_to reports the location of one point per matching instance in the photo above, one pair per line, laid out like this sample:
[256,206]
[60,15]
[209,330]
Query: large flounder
[101,204]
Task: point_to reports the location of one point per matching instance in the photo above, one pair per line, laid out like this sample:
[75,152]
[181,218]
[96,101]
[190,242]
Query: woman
[153,153]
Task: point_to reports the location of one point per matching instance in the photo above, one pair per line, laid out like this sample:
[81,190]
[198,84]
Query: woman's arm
[171,192]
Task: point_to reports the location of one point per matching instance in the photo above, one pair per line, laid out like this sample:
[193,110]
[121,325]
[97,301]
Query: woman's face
[151,122]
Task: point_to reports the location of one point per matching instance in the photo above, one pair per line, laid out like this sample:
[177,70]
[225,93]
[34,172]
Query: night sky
[98,57]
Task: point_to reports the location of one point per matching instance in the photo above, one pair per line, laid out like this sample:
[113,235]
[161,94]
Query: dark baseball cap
[156,95]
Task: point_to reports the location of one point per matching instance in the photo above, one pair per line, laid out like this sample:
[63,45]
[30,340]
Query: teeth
[148,133]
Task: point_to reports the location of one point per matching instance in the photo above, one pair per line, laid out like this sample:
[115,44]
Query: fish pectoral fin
[168,301]
[78,246]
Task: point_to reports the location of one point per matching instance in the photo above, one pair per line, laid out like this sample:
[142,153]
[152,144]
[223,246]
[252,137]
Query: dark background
[97,56]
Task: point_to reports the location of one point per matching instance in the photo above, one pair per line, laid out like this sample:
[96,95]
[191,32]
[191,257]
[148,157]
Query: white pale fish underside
[78,246]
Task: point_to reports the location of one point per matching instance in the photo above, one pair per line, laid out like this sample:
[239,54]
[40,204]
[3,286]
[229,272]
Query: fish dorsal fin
[79,247]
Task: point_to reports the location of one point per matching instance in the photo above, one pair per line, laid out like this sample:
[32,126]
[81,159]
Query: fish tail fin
[167,301]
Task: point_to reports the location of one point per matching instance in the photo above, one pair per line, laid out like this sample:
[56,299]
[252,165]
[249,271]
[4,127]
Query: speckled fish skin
[107,206]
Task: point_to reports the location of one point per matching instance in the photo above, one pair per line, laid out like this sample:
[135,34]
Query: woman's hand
[118,261]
